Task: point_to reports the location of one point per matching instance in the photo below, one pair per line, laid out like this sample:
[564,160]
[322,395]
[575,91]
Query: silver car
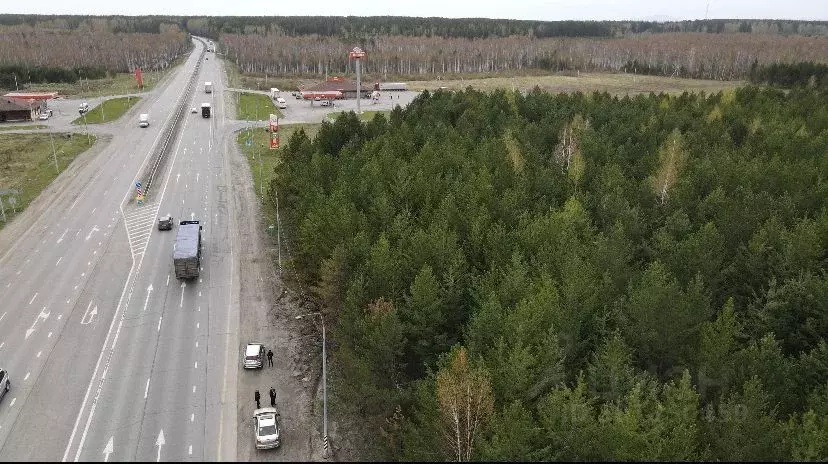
[266,422]
[5,384]
[254,356]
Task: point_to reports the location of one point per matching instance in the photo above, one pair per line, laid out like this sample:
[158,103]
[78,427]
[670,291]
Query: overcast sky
[547,10]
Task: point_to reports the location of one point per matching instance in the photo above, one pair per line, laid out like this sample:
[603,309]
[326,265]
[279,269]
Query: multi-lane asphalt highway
[110,356]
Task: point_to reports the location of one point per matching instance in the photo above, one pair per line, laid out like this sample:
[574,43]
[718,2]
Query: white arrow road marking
[61,237]
[159,443]
[41,315]
[149,290]
[108,450]
[181,305]
[94,229]
[88,316]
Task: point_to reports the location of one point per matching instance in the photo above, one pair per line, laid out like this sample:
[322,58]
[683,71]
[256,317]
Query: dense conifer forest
[573,277]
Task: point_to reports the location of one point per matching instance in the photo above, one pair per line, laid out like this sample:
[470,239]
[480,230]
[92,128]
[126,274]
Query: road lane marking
[159,322]
[50,335]
[196,365]
[13,401]
[27,376]
[196,343]
[168,280]
[198,325]
[60,239]
[93,210]
[146,389]
[192,417]
[191,450]
[193,388]
[4,315]
[58,261]
[35,295]
[38,354]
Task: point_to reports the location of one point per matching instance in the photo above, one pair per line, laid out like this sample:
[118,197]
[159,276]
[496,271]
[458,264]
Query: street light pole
[324,382]
[54,154]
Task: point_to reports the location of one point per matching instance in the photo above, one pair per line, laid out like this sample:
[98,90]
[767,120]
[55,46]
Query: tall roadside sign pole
[357,54]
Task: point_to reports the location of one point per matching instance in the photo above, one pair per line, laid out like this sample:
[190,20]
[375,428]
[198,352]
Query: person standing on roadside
[272,397]
[270,357]
[258,397]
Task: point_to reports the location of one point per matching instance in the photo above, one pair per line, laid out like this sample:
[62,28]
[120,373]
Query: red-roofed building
[14,110]
[345,87]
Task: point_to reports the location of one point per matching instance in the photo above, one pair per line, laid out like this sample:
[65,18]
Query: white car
[43,116]
[193,110]
[266,423]
[326,103]
[254,356]
[5,384]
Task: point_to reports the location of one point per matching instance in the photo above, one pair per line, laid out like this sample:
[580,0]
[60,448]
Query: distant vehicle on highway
[267,428]
[281,103]
[193,110]
[390,86]
[83,108]
[143,120]
[208,87]
[5,383]
[254,355]
[165,222]
[205,110]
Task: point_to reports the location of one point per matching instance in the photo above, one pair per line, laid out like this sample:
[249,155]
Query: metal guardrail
[172,129]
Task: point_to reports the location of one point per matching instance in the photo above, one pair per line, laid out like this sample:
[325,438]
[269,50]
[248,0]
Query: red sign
[139,78]
[274,134]
[356,53]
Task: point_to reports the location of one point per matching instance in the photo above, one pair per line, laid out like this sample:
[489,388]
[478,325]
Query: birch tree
[464,396]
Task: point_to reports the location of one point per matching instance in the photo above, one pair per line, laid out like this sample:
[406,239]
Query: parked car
[43,116]
[193,110]
[254,356]
[165,222]
[326,103]
[5,383]
[267,428]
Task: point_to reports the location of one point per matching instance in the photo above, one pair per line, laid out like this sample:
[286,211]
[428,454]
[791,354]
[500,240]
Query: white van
[281,103]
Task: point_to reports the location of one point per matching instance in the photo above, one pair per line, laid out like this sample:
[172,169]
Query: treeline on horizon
[354,27]
[577,277]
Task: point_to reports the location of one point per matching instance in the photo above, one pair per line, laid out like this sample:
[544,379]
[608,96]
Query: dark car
[5,384]
[165,222]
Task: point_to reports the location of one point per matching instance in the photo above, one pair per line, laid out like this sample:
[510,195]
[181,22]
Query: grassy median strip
[27,164]
[107,111]
[258,151]
[254,107]
[24,127]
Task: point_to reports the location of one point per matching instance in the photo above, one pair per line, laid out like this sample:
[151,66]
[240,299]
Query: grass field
[254,107]
[27,164]
[615,84]
[107,111]
[121,84]
[23,127]
[366,115]
[259,150]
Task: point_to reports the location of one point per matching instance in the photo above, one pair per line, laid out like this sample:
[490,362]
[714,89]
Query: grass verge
[107,111]
[120,84]
[615,84]
[258,151]
[366,115]
[27,164]
[255,107]
[24,127]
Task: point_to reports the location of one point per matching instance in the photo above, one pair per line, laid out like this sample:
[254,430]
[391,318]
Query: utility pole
[54,154]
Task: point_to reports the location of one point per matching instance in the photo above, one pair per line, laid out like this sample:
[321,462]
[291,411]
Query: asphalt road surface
[110,356]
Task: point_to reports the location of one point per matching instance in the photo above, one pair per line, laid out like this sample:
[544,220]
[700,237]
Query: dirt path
[267,315]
